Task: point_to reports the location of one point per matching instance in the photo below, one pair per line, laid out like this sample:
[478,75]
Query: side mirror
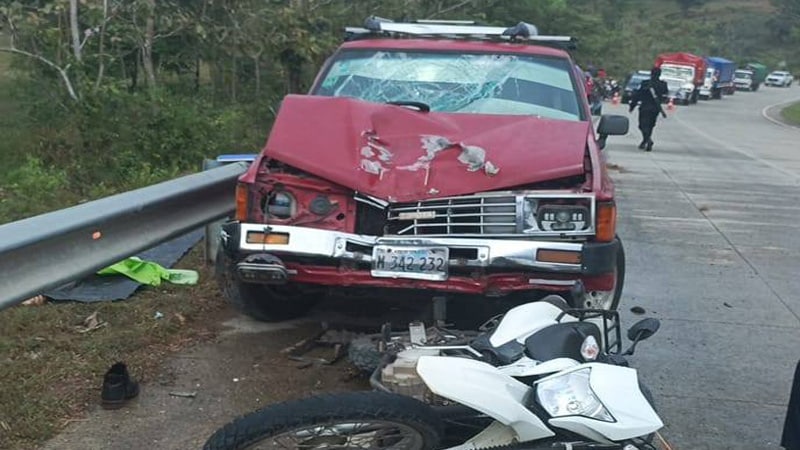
[611,125]
[640,331]
[643,329]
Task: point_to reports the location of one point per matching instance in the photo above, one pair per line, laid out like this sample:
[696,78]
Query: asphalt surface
[709,221]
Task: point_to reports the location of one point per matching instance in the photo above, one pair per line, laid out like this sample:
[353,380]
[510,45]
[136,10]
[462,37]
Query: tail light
[606,221]
[242,201]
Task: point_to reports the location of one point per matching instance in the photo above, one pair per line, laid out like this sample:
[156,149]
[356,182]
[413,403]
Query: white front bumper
[478,253]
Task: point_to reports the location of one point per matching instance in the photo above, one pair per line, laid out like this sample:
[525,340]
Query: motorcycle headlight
[281,205]
[571,395]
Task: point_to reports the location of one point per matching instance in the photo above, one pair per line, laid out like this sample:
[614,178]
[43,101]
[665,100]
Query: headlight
[280,205]
[571,395]
[562,218]
[556,215]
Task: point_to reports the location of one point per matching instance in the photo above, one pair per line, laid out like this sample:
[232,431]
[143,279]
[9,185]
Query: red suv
[443,157]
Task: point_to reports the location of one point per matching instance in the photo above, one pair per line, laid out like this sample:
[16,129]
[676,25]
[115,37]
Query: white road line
[776,121]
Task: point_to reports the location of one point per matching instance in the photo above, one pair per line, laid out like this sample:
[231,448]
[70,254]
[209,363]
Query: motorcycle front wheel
[374,420]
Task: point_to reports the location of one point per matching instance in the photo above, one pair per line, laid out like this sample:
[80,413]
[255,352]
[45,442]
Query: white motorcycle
[544,377]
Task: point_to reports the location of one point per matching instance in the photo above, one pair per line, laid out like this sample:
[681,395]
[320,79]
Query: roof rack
[454,29]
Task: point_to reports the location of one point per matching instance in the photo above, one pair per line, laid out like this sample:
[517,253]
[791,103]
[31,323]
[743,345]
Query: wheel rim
[373,434]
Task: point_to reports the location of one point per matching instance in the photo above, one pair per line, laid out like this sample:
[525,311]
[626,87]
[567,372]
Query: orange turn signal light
[606,221]
[242,200]
[558,256]
[257,237]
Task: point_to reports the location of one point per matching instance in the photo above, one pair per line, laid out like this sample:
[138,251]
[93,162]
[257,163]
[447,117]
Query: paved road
[711,224]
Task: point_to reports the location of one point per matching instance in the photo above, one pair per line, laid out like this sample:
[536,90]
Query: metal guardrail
[50,250]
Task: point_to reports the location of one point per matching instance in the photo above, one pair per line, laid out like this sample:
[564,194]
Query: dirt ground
[241,370]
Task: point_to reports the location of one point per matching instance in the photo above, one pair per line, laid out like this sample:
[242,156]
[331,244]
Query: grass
[791,114]
[50,373]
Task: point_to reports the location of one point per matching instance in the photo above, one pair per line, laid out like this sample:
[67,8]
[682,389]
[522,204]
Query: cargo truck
[719,78]
[750,78]
[684,74]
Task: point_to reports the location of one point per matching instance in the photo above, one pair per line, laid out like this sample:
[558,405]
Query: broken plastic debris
[235,380]
[158,315]
[184,394]
[35,301]
[91,323]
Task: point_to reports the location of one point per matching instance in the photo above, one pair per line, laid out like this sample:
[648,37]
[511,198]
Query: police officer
[649,97]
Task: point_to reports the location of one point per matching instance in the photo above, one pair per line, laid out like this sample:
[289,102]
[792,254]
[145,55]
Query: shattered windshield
[477,83]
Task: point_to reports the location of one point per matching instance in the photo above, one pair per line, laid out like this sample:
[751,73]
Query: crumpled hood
[398,154]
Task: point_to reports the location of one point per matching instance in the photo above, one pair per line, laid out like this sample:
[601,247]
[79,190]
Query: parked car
[632,83]
[779,78]
[447,165]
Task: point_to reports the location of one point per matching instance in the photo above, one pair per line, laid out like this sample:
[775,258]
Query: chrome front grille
[490,215]
[474,215]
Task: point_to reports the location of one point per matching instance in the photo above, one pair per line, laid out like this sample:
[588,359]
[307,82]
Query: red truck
[684,74]
[437,158]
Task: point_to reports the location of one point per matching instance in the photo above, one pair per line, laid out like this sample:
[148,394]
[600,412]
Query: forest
[101,96]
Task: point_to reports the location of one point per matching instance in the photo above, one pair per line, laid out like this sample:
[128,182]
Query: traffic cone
[615,99]
[671,105]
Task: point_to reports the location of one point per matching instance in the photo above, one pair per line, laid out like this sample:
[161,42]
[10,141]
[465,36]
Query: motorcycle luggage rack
[612,334]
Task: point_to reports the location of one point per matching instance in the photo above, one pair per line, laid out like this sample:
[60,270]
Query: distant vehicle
[719,78]
[684,73]
[632,83]
[743,79]
[759,74]
[779,78]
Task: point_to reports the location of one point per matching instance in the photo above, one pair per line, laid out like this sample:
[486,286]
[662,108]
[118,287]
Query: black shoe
[118,387]
[641,146]
[650,146]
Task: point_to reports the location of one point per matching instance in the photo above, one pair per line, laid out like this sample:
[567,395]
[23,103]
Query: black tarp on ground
[98,288]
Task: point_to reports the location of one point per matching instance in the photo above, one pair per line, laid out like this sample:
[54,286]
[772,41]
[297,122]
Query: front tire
[265,303]
[358,419]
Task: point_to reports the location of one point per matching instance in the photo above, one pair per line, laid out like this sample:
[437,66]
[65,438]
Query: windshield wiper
[421,107]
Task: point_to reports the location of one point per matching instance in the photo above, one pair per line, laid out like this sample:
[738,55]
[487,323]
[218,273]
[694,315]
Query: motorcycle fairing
[483,388]
[618,389]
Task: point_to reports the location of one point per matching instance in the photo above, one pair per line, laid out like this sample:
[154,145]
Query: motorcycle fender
[523,320]
[483,388]
[618,389]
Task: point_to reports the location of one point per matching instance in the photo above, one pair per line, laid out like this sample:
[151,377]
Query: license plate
[417,263]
